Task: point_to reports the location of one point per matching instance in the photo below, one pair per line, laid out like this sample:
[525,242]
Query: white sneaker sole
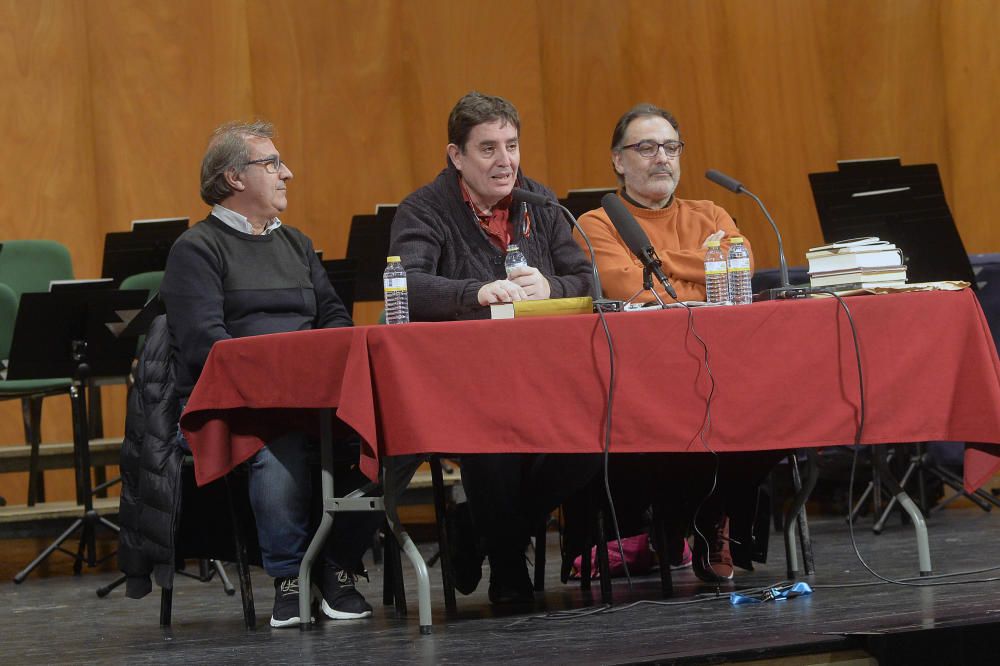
[292,621]
[334,614]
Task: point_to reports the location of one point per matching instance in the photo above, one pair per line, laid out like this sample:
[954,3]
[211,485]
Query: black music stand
[343,275]
[368,244]
[141,250]
[901,204]
[583,200]
[906,206]
[73,334]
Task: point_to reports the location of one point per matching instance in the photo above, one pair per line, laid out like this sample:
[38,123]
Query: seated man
[646,152]
[452,235]
[241,272]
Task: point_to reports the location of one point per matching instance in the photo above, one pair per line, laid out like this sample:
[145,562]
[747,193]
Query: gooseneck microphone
[636,239]
[736,186]
[521,195]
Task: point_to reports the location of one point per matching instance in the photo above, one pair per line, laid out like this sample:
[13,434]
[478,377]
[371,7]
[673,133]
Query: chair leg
[394,583]
[440,514]
[662,545]
[31,412]
[540,554]
[242,566]
[805,542]
[603,565]
[166,604]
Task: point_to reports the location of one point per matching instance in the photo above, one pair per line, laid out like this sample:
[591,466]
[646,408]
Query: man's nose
[286,173]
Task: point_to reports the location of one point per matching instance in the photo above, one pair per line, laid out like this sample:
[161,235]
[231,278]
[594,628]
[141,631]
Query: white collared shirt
[240,222]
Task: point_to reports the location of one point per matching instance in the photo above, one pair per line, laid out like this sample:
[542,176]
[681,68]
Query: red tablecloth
[785,377]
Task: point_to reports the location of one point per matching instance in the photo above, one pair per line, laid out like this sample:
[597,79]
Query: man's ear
[233,180]
[455,153]
[616,163]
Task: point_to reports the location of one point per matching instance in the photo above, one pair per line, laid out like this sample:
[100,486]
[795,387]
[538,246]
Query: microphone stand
[601,304]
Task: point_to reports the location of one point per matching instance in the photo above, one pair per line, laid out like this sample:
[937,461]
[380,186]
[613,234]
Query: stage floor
[59,618]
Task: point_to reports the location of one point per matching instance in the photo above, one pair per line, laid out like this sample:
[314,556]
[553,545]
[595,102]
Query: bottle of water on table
[514,259]
[397,302]
[738,264]
[716,275]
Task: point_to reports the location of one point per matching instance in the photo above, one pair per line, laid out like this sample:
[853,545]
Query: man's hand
[718,235]
[532,281]
[501,291]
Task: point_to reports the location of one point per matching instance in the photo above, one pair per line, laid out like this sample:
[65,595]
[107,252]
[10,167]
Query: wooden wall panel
[163,75]
[48,188]
[972,101]
[447,51]
[109,103]
[343,129]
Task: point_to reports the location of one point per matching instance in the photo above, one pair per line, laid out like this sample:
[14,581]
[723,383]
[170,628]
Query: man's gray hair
[228,150]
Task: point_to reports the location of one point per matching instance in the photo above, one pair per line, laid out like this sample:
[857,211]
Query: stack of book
[858,263]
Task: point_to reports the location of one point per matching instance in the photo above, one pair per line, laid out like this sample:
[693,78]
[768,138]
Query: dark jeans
[286,502]
[510,493]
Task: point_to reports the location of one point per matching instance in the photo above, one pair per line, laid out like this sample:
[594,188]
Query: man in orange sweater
[646,152]
[646,149]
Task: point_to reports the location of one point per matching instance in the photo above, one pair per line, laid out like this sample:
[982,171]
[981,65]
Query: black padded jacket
[151,470]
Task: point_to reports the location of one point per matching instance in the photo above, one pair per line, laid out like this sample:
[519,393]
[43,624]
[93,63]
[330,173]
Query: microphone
[522,196]
[736,186]
[636,239]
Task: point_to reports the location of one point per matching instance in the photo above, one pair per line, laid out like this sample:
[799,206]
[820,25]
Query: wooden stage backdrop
[107,105]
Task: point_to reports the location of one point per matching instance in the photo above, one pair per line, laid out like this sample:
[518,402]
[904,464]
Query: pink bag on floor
[638,555]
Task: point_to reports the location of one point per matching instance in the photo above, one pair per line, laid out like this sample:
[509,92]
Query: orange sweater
[676,233]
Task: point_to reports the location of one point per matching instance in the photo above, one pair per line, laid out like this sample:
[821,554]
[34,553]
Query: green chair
[28,266]
[30,391]
[151,283]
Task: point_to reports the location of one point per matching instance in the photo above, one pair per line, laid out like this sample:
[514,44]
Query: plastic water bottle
[515,259]
[716,277]
[738,263]
[397,301]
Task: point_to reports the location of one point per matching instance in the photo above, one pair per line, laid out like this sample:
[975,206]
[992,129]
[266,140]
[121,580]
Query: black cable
[906,582]
[607,450]
[703,434]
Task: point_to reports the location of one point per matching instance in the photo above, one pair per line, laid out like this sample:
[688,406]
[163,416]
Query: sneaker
[341,599]
[509,580]
[286,603]
[712,562]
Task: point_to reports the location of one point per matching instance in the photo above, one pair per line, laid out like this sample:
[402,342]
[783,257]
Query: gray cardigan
[448,256]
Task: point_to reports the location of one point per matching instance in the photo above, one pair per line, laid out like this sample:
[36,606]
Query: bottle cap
[393,259]
[736,239]
[712,243]
[512,248]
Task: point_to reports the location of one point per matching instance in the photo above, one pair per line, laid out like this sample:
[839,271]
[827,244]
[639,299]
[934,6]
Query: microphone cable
[703,435]
[607,450]
[928,581]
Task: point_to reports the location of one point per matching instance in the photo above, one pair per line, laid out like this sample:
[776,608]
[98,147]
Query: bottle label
[395,284]
[742,264]
[715,268]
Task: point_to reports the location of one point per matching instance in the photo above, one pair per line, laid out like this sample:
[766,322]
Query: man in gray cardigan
[452,236]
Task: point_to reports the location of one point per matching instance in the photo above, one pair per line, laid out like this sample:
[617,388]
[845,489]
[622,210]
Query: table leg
[791,516]
[325,523]
[912,510]
[396,474]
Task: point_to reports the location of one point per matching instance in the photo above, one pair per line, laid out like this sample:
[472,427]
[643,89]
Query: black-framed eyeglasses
[271,164]
[649,149]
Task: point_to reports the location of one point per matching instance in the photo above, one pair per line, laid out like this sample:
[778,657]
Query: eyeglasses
[649,149]
[271,164]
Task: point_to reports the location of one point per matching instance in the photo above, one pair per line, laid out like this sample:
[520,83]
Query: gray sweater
[448,256]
